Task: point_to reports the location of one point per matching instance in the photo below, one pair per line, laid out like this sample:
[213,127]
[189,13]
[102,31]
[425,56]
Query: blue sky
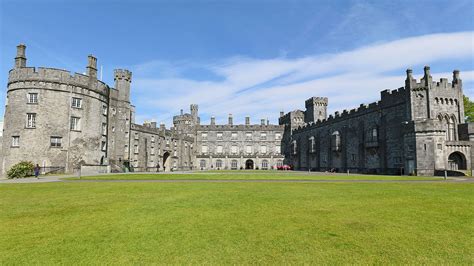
[249,58]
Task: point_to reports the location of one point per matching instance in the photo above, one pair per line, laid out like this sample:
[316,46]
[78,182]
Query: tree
[468,109]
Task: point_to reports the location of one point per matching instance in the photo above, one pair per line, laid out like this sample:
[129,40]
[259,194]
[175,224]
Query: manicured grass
[237,223]
[249,175]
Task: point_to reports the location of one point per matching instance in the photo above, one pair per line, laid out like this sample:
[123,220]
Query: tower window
[31,120]
[56,141]
[76,102]
[16,141]
[75,123]
[32,98]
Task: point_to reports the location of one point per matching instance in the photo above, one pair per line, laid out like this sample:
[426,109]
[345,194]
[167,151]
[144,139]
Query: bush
[20,170]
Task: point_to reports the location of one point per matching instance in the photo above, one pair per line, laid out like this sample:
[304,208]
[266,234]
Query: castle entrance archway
[166,161]
[457,161]
[249,164]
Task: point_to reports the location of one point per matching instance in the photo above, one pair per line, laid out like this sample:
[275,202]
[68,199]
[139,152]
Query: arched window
[312,145]
[233,165]
[279,163]
[336,141]
[264,164]
[436,100]
[294,147]
[219,163]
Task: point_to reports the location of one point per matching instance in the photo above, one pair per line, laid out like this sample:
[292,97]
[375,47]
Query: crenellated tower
[123,79]
[316,109]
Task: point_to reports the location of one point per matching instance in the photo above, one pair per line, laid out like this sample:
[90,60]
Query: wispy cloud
[260,88]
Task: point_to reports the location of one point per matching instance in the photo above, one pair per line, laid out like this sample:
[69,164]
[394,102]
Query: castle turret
[194,108]
[123,78]
[456,79]
[316,109]
[410,81]
[427,77]
[20,59]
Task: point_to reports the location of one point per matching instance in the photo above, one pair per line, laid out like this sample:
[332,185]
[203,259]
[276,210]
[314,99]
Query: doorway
[249,164]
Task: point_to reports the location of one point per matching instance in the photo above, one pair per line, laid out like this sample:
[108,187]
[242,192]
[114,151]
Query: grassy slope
[236,223]
[252,175]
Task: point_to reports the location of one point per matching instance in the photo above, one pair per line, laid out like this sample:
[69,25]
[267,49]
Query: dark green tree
[468,109]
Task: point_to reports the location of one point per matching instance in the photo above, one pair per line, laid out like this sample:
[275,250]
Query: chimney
[162,126]
[262,122]
[181,112]
[231,121]
[282,113]
[153,124]
[268,122]
[213,120]
[247,120]
[92,67]
[20,59]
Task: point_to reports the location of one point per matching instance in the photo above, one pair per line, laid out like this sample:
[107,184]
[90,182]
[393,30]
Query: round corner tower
[52,118]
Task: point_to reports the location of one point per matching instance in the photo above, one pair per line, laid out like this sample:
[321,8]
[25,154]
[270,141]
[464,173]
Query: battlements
[122,74]
[318,101]
[426,81]
[53,75]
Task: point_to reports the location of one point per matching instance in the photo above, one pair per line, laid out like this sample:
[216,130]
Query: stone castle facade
[69,121]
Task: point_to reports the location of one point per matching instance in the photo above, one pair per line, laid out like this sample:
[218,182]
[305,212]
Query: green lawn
[237,223]
[246,175]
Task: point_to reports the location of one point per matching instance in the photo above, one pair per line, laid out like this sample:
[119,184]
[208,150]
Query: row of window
[234,135]
[234,164]
[372,136]
[32,98]
[55,142]
[446,101]
[234,149]
[75,123]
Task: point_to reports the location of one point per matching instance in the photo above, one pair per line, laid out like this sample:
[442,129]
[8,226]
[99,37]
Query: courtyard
[237,217]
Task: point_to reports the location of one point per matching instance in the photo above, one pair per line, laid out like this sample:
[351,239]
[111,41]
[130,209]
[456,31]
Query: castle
[70,121]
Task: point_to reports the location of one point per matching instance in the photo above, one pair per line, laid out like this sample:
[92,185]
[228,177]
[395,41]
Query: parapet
[123,74]
[57,76]
[319,101]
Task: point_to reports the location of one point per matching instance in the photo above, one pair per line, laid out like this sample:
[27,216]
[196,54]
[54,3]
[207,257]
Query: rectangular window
[263,135]
[136,149]
[56,141]
[104,129]
[16,141]
[204,135]
[204,149]
[440,146]
[104,146]
[234,149]
[219,135]
[234,135]
[152,139]
[278,149]
[30,120]
[248,149]
[263,149]
[136,136]
[248,135]
[104,109]
[75,123]
[76,102]
[32,97]
[277,136]
[219,149]
[152,152]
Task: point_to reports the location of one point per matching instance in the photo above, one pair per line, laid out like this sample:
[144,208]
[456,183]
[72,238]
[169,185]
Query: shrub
[20,170]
